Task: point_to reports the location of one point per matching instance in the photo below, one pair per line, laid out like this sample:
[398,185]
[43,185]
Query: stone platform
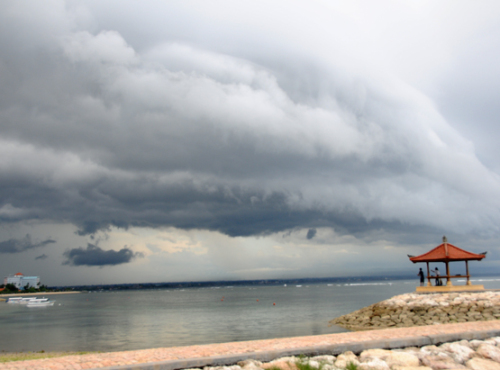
[266,350]
[450,288]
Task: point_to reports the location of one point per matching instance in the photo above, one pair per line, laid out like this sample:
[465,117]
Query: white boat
[15,300]
[37,300]
[40,303]
[28,300]
[20,300]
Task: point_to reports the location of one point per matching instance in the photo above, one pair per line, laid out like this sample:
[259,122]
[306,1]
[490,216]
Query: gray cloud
[103,128]
[95,256]
[21,245]
[41,257]
[311,233]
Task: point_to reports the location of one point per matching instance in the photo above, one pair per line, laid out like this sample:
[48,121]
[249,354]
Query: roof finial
[444,239]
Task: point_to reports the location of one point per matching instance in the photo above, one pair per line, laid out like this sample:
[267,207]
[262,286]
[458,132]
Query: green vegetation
[274,368]
[351,366]
[11,288]
[303,364]
[25,356]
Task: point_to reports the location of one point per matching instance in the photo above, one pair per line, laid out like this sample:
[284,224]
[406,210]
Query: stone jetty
[415,309]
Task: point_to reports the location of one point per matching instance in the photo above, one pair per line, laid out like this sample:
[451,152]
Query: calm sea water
[128,320]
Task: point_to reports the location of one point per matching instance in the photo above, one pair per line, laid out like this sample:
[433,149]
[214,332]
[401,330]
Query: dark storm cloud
[101,128]
[311,233]
[41,257]
[21,245]
[95,256]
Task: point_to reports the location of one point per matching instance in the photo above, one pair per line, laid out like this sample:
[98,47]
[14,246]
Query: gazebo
[447,253]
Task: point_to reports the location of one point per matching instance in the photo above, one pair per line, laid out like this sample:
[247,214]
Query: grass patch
[25,356]
[303,364]
[351,366]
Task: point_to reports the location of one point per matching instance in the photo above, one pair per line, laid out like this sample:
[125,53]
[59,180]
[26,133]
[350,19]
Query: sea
[130,320]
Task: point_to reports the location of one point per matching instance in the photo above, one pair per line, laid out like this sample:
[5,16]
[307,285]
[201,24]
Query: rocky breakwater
[471,355]
[414,309]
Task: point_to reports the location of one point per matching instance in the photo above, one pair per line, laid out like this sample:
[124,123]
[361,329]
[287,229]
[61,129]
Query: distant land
[226,283]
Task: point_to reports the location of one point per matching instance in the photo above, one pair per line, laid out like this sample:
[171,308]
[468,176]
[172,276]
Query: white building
[20,281]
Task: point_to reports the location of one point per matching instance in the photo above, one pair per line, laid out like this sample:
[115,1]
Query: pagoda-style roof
[447,252]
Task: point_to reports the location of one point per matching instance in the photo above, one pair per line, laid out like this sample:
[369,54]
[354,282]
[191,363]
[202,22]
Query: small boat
[28,300]
[40,303]
[14,300]
[20,300]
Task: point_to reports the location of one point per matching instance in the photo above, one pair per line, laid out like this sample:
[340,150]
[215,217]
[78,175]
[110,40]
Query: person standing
[421,274]
[438,280]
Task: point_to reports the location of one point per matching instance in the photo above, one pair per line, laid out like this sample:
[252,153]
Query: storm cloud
[175,135]
[311,233]
[22,245]
[95,256]
[212,117]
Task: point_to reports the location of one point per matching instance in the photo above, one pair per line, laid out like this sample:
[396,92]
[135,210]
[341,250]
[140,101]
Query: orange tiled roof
[447,252]
[18,274]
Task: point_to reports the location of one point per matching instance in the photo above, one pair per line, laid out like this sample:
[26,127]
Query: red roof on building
[447,252]
[18,274]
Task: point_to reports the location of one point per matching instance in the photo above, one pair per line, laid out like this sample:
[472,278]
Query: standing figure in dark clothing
[421,274]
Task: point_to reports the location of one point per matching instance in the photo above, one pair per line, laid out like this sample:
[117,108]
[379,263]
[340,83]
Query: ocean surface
[129,320]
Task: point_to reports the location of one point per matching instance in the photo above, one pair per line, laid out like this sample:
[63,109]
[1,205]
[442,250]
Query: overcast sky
[152,141]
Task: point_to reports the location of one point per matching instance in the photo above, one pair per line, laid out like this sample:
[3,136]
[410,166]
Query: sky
[152,141]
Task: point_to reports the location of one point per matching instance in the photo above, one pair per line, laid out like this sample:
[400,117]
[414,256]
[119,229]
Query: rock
[374,364]
[283,365]
[417,309]
[441,361]
[402,359]
[329,367]
[326,359]
[411,368]
[474,344]
[429,350]
[313,363]
[345,358]
[496,340]
[482,364]
[458,352]
[371,354]
[489,351]
[392,358]
[250,364]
